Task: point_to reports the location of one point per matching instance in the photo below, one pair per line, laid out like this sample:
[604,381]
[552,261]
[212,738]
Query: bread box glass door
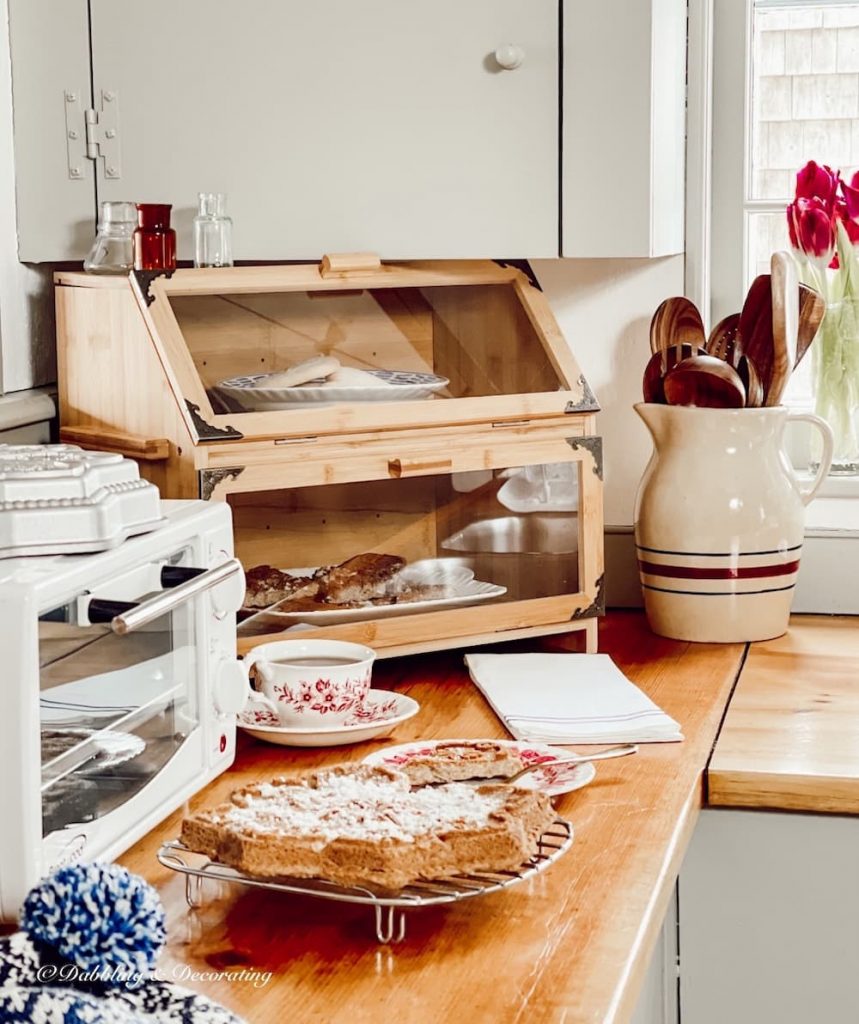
[291,351]
[426,553]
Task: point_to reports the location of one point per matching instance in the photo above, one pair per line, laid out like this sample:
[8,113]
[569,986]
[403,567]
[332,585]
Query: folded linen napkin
[568,698]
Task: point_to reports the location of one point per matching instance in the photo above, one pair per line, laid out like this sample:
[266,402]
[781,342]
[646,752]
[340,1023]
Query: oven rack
[389,908]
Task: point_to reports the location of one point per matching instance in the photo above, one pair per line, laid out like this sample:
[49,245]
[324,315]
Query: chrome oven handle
[167,600]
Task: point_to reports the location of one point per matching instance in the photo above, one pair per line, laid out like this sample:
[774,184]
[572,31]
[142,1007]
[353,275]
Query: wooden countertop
[571,946]
[790,739]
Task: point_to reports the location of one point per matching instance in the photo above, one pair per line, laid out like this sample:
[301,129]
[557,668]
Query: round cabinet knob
[509,56]
[230,687]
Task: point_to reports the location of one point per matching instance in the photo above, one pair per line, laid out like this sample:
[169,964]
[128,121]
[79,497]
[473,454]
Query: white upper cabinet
[336,126]
[410,128]
[624,127]
[51,72]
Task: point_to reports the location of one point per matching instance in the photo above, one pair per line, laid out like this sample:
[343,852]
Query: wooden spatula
[756,328]
[723,340]
[676,322]
[785,323]
[812,308]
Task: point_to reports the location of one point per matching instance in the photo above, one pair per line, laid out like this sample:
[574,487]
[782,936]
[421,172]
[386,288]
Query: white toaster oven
[119,692]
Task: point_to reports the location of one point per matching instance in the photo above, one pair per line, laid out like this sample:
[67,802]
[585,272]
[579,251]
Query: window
[785,91]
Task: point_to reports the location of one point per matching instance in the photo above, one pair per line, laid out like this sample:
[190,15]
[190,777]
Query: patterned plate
[381,711]
[395,386]
[552,781]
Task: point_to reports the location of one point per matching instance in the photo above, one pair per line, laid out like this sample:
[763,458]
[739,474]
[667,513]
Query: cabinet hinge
[91,134]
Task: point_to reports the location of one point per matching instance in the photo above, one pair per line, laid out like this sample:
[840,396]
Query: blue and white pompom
[99,917]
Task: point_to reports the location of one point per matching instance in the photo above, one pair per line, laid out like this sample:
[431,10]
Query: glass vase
[835,375]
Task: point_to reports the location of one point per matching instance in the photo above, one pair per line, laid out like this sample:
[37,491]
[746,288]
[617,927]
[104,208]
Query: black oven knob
[173,575]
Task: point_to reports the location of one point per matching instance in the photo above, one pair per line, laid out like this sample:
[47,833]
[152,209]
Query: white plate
[552,781]
[464,588]
[382,710]
[553,488]
[399,386]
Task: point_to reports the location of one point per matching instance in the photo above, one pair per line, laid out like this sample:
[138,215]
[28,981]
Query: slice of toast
[265,586]
[356,824]
[458,760]
[360,578]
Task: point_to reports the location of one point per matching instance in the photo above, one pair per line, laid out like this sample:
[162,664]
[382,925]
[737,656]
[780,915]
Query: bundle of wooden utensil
[749,356]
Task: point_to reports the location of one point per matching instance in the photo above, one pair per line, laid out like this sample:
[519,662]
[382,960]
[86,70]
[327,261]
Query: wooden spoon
[724,342]
[812,308]
[785,324]
[756,328]
[676,322]
[705,381]
[659,364]
[751,382]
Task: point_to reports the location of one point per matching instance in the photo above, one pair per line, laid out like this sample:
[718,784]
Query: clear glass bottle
[213,232]
[112,251]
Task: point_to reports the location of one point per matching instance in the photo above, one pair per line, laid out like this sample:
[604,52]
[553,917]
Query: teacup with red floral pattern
[306,684]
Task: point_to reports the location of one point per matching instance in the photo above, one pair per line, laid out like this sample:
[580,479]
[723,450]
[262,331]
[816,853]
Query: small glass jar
[112,251]
[213,231]
[154,239]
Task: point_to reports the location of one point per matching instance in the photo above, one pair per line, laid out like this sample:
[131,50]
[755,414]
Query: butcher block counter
[571,945]
[790,740]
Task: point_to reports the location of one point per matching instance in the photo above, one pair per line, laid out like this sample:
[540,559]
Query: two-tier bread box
[465,450]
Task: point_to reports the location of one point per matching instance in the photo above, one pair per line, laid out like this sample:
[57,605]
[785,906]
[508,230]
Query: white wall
[604,309]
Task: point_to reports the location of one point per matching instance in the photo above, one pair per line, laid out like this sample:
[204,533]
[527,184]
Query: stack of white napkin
[568,698]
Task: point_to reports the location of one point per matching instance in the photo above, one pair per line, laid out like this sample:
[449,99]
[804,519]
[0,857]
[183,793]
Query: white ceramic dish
[252,394]
[381,712]
[464,590]
[60,499]
[552,781]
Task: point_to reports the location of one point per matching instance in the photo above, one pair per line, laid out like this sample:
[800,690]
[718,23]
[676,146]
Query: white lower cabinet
[657,1003]
[769,920]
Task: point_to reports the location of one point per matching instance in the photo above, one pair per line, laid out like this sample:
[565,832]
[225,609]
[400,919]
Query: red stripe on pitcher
[691,572]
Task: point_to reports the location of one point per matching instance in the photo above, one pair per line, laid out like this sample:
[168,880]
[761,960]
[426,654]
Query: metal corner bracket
[592,445]
[526,269]
[210,478]
[596,607]
[587,403]
[144,279]
[207,432]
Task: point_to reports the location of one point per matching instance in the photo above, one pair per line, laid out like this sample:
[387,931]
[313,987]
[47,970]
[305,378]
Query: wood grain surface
[789,740]
[571,945]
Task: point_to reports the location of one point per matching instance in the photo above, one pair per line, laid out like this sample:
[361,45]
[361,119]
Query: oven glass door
[114,709]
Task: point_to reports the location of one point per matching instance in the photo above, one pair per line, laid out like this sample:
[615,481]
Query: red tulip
[851,196]
[817,182]
[812,229]
[844,212]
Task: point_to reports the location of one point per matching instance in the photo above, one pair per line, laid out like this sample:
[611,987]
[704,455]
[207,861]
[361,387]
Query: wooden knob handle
[349,264]
[418,467]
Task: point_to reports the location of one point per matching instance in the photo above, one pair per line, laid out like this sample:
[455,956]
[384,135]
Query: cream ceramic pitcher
[719,521]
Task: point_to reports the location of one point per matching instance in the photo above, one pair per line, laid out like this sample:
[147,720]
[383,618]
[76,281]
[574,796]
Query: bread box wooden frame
[134,379]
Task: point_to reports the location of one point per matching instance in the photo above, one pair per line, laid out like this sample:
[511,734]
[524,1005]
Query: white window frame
[719,194]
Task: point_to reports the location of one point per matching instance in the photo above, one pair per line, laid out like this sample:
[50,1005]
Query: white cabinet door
[379,125]
[50,69]
[624,138]
[657,1003]
[769,920]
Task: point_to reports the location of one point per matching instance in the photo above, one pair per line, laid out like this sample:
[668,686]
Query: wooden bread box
[483,473]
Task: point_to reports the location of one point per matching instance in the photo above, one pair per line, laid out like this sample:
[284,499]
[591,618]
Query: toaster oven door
[114,709]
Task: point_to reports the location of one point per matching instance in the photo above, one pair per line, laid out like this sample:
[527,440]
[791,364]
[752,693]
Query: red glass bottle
[154,239]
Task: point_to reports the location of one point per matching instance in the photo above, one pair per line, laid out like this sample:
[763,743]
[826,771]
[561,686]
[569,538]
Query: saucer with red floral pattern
[379,712]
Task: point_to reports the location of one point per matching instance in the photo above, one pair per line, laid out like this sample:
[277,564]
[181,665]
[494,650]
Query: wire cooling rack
[389,908]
